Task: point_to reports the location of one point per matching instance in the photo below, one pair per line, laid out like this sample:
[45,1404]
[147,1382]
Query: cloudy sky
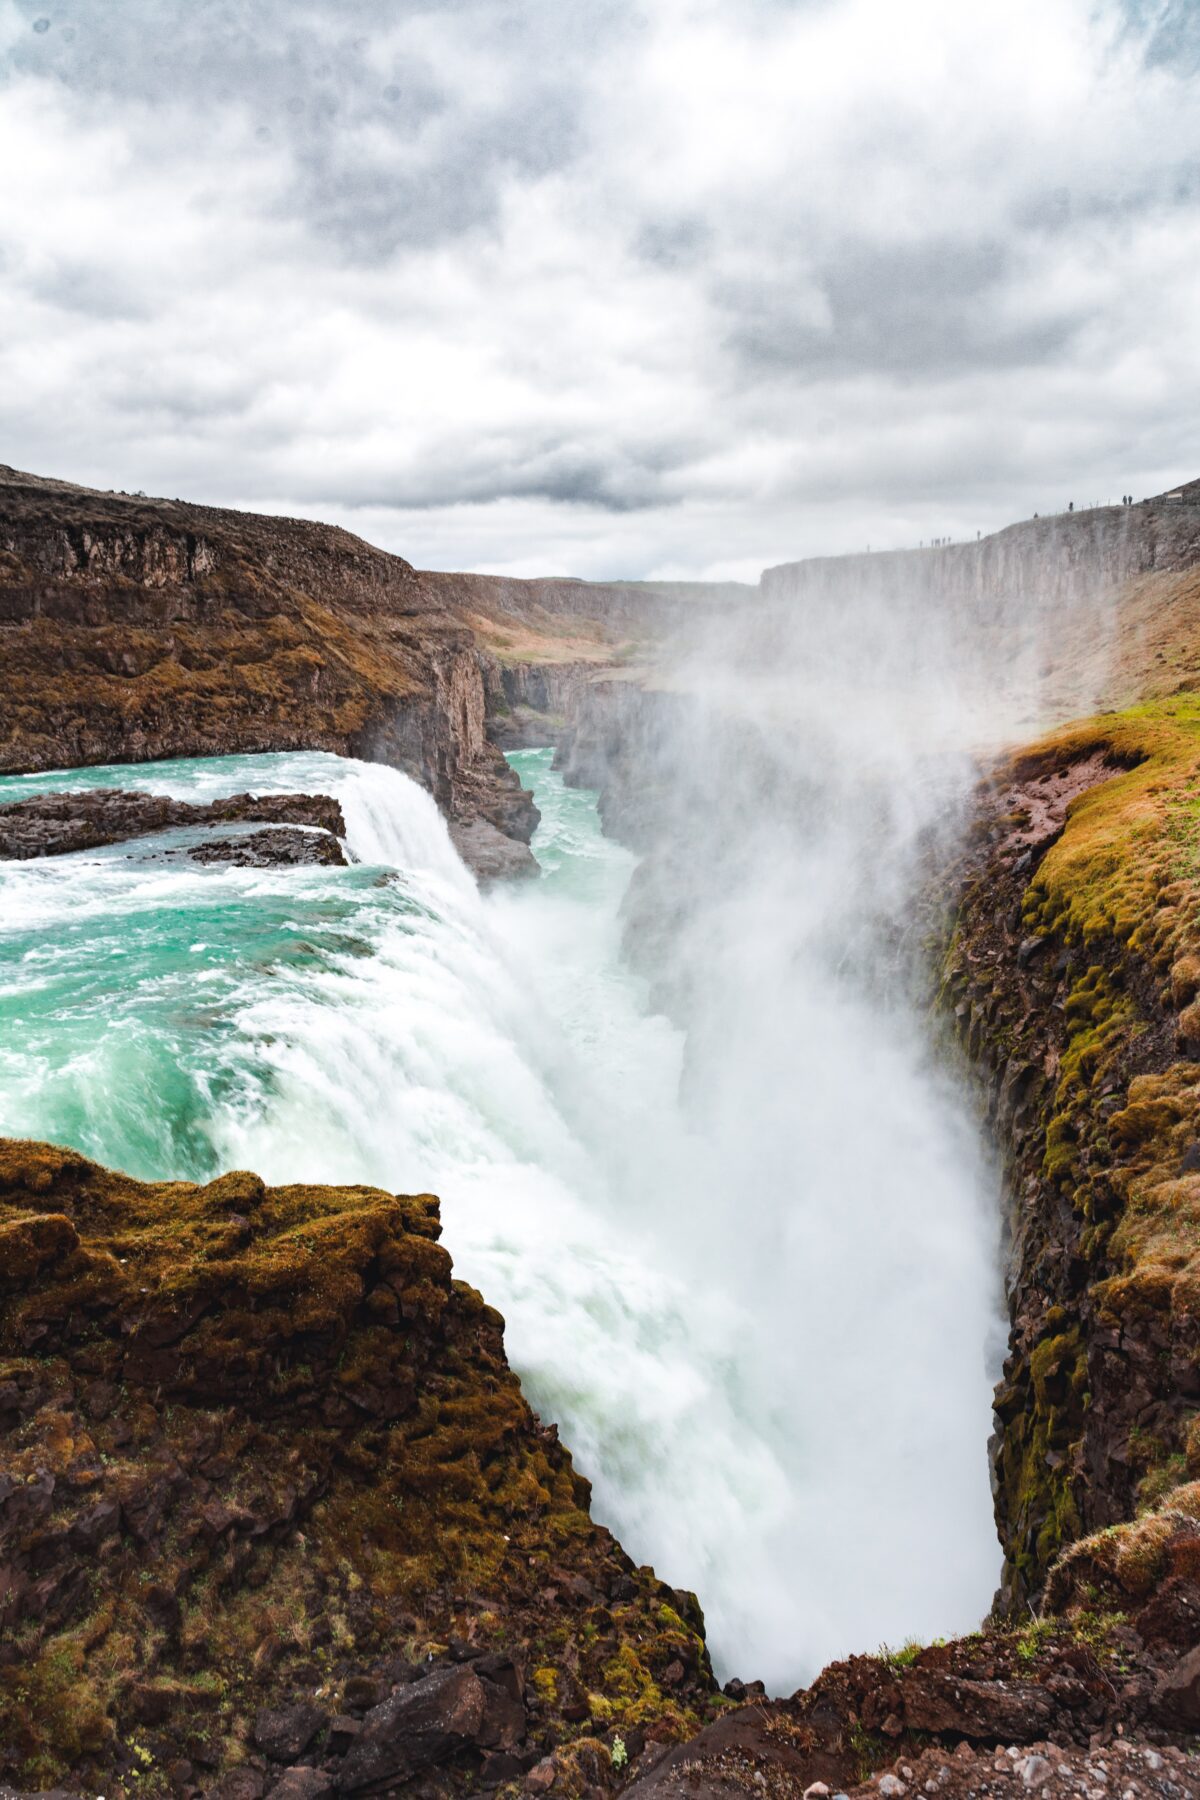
[610,287]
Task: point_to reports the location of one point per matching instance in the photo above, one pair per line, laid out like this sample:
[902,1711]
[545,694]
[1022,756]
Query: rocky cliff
[132,629]
[275,1518]
[1052,563]
[1070,977]
[1109,598]
[271,1500]
[543,643]
[1072,980]
[1073,977]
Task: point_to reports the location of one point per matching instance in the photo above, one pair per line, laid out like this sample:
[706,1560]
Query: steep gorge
[1070,969]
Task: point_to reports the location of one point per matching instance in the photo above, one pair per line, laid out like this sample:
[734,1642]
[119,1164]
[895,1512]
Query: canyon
[275,1514]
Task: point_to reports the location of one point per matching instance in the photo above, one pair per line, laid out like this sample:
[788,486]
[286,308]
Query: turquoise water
[128,984]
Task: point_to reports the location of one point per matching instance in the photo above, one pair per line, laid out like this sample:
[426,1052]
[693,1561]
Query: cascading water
[386,1023]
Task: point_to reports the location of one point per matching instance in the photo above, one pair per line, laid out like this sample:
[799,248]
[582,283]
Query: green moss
[1099,1018]
[1129,837]
[1043,1420]
[902,1658]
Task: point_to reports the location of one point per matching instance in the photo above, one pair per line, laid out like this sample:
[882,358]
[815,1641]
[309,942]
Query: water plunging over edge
[387,1024]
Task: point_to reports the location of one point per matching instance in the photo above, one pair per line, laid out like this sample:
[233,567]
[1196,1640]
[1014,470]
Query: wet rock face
[270,848]
[271,1499]
[135,629]
[55,824]
[490,853]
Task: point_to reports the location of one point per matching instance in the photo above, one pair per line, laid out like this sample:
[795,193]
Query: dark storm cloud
[682,286]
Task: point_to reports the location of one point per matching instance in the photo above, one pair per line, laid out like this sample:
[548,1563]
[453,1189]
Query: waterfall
[683,1317]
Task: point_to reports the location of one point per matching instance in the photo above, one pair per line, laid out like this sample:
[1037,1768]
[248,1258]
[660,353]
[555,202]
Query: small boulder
[360,1693]
[453,1709]
[541,1777]
[163,1609]
[239,1784]
[302,1784]
[1177,1697]
[285,1733]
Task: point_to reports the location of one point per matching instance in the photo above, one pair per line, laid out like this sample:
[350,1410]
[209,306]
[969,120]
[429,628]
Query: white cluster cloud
[684,287]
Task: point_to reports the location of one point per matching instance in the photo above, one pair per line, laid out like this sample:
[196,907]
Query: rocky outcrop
[1004,1713]
[54,824]
[133,629]
[267,847]
[274,1514]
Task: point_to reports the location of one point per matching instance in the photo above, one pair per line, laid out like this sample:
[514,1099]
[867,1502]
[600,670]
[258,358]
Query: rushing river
[386,1023]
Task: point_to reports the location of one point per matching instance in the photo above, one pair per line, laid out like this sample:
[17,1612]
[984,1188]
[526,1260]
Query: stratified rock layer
[133,629]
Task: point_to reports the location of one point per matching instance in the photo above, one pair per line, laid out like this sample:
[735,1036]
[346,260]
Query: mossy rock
[259,1442]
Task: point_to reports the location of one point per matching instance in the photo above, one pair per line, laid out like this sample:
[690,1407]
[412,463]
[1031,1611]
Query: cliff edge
[133,629]
[271,1500]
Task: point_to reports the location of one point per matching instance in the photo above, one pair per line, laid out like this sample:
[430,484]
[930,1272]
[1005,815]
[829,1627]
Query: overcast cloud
[678,288]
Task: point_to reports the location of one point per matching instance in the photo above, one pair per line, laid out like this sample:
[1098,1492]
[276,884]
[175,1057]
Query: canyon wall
[273,1513]
[1071,977]
[610,611]
[133,629]
[542,643]
[1107,602]
[1054,562]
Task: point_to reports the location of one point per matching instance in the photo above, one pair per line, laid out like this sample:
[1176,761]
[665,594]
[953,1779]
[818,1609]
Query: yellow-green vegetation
[904,1657]
[1128,839]
[1155,1245]
[259,1439]
[1098,1018]
[1123,1565]
[1092,1626]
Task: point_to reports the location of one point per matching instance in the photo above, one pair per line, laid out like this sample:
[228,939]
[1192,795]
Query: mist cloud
[682,288]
